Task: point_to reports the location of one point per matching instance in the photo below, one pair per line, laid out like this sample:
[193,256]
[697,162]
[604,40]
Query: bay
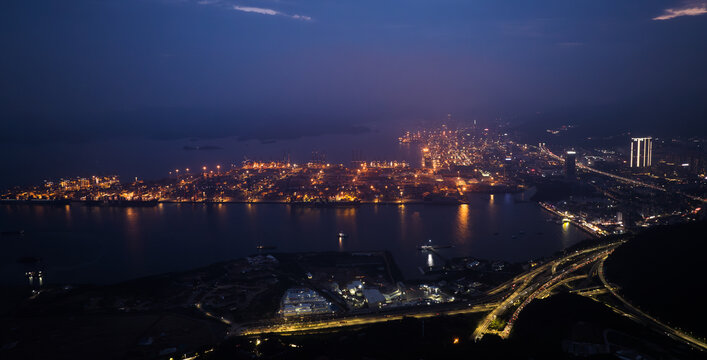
[80,244]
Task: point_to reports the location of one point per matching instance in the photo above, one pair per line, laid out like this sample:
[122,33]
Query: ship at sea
[122,203]
[54,202]
[324,203]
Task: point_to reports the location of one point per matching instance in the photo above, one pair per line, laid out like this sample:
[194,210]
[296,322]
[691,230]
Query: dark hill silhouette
[662,271]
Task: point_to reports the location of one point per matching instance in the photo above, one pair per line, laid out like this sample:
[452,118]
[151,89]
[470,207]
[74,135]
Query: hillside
[662,271]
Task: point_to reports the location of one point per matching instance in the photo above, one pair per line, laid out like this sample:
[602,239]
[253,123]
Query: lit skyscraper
[571,164]
[641,152]
[426,159]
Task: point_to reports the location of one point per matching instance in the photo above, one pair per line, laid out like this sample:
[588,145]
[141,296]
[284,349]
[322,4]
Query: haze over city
[91,71]
[235,179]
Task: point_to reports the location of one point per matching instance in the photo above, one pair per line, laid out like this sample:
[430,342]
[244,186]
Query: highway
[495,302]
[641,317]
[620,178]
[209,314]
[293,326]
[538,283]
[565,281]
[504,302]
[543,284]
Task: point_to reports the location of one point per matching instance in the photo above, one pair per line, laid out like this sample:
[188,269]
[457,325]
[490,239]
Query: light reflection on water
[112,244]
[463,223]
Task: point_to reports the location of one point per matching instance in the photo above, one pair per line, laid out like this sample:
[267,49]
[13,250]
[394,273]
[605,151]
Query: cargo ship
[325,203]
[53,202]
[121,203]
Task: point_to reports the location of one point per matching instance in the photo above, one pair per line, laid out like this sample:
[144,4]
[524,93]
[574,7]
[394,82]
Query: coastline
[571,221]
[150,203]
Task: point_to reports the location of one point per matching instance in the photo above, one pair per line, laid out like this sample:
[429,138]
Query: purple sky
[90,71]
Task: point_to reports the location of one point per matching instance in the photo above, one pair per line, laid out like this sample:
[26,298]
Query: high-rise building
[426,159]
[571,164]
[641,152]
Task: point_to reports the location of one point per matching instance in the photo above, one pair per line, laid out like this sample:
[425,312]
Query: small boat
[265,247]
[342,235]
[12,233]
[429,246]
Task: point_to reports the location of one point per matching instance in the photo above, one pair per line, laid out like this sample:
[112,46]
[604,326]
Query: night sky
[89,71]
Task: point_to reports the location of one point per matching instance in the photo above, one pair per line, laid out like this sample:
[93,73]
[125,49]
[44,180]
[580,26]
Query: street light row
[218,168]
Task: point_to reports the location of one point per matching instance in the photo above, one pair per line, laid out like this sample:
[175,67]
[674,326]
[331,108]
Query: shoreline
[313,205]
[152,203]
[572,221]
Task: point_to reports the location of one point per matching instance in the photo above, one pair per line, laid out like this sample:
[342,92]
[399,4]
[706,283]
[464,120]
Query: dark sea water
[79,244]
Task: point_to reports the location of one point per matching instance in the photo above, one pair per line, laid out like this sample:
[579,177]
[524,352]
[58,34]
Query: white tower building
[641,152]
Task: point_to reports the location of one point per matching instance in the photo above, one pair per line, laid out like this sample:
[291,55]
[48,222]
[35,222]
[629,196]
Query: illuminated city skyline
[413,179]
